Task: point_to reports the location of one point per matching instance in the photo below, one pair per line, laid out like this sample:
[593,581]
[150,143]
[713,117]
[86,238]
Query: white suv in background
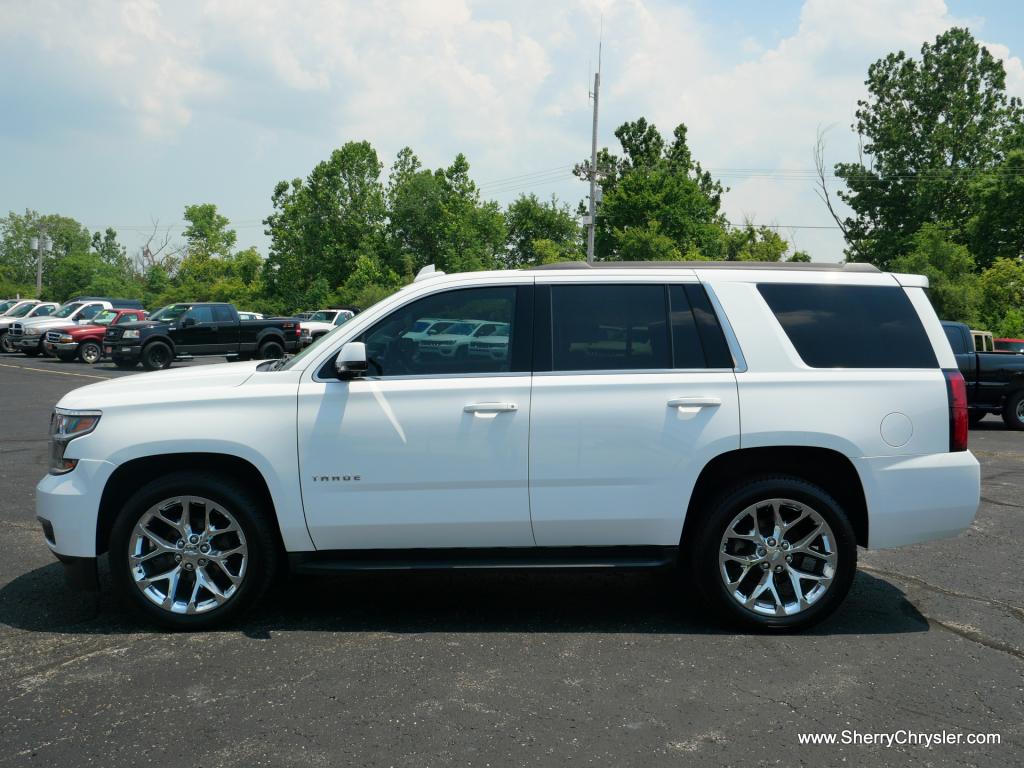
[749,425]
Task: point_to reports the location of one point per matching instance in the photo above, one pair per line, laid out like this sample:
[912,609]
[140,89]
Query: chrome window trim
[739,361]
[426,376]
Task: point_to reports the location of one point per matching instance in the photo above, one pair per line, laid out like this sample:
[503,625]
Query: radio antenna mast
[592,220]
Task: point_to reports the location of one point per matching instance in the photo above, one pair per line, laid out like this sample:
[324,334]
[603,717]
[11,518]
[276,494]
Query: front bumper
[122,352]
[27,342]
[70,504]
[911,499]
[60,346]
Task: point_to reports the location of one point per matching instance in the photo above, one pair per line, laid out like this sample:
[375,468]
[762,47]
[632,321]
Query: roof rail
[806,266]
[428,272]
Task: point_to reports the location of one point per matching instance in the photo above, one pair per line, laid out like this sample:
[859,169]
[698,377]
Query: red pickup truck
[86,341]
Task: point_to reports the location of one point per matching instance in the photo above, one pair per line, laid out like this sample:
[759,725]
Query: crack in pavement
[1015,611]
[968,633]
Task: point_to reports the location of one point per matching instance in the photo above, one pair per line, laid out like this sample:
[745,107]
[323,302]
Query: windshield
[170,312]
[21,311]
[67,310]
[5,305]
[315,348]
[106,317]
[322,317]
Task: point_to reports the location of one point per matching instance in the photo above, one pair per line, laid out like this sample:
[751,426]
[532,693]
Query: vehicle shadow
[652,603]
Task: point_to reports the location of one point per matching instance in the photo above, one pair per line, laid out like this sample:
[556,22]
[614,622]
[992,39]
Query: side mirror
[351,360]
[188,322]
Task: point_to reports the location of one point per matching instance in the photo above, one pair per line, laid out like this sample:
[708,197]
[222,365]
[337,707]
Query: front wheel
[774,554]
[193,549]
[1013,411]
[90,352]
[5,344]
[156,356]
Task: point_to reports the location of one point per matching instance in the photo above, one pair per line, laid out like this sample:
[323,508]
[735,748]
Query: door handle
[694,402]
[490,407]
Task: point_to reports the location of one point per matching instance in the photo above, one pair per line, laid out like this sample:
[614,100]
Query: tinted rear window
[851,326]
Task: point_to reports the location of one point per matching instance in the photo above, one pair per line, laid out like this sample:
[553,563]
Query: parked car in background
[428,326]
[249,316]
[454,340]
[322,322]
[27,335]
[6,304]
[983,341]
[1010,345]
[203,484]
[23,310]
[198,329]
[995,380]
[86,341]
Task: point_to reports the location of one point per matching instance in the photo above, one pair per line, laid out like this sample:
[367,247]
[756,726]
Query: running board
[508,558]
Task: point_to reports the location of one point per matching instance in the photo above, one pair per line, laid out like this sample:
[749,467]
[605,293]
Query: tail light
[956,392]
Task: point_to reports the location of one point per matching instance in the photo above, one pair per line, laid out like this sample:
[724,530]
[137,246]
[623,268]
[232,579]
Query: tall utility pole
[593,163]
[40,243]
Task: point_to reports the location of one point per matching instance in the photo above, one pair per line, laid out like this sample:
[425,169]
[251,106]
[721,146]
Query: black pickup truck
[995,380]
[197,329]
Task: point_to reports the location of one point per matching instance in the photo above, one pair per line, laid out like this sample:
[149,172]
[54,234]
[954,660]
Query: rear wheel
[271,350]
[90,352]
[193,549]
[774,554]
[1013,411]
[156,356]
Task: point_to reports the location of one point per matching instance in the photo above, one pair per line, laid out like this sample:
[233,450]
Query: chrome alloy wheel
[188,555]
[777,557]
[1020,410]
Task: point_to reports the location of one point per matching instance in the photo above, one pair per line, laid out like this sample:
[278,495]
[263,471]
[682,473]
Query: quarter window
[850,326]
[451,332]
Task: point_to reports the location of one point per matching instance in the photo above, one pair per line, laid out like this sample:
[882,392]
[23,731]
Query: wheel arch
[828,468]
[132,475]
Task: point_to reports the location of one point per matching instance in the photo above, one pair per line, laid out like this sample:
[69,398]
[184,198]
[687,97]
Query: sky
[122,113]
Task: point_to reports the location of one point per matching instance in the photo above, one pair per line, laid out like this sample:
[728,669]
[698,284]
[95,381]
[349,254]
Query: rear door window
[956,339]
[850,326]
[609,327]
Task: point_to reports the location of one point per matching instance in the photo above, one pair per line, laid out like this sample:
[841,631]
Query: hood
[47,322]
[140,324]
[161,386]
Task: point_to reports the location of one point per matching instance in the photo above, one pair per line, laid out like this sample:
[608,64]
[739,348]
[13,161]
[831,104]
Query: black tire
[156,356]
[5,344]
[253,517]
[703,550]
[65,357]
[271,350]
[1013,411]
[90,352]
[126,365]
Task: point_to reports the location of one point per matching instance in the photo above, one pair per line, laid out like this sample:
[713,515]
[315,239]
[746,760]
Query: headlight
[130,334]
[65,426]
[66,339]
[32,331]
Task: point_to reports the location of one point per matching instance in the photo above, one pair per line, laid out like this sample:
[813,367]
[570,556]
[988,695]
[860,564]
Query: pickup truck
[27,335]
[198,329]
[86,341]
[22,310]
[995,380]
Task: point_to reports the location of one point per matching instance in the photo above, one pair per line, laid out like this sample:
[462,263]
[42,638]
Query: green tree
[928,126]
[1001,297]
[658,202]
[752,243]
[529,221]
[996,228]
[949,267]
[322,224]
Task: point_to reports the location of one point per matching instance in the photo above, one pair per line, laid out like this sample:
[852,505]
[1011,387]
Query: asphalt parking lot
[507,669]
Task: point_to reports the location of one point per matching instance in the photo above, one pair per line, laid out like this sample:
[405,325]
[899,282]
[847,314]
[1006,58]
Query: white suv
[749,425]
